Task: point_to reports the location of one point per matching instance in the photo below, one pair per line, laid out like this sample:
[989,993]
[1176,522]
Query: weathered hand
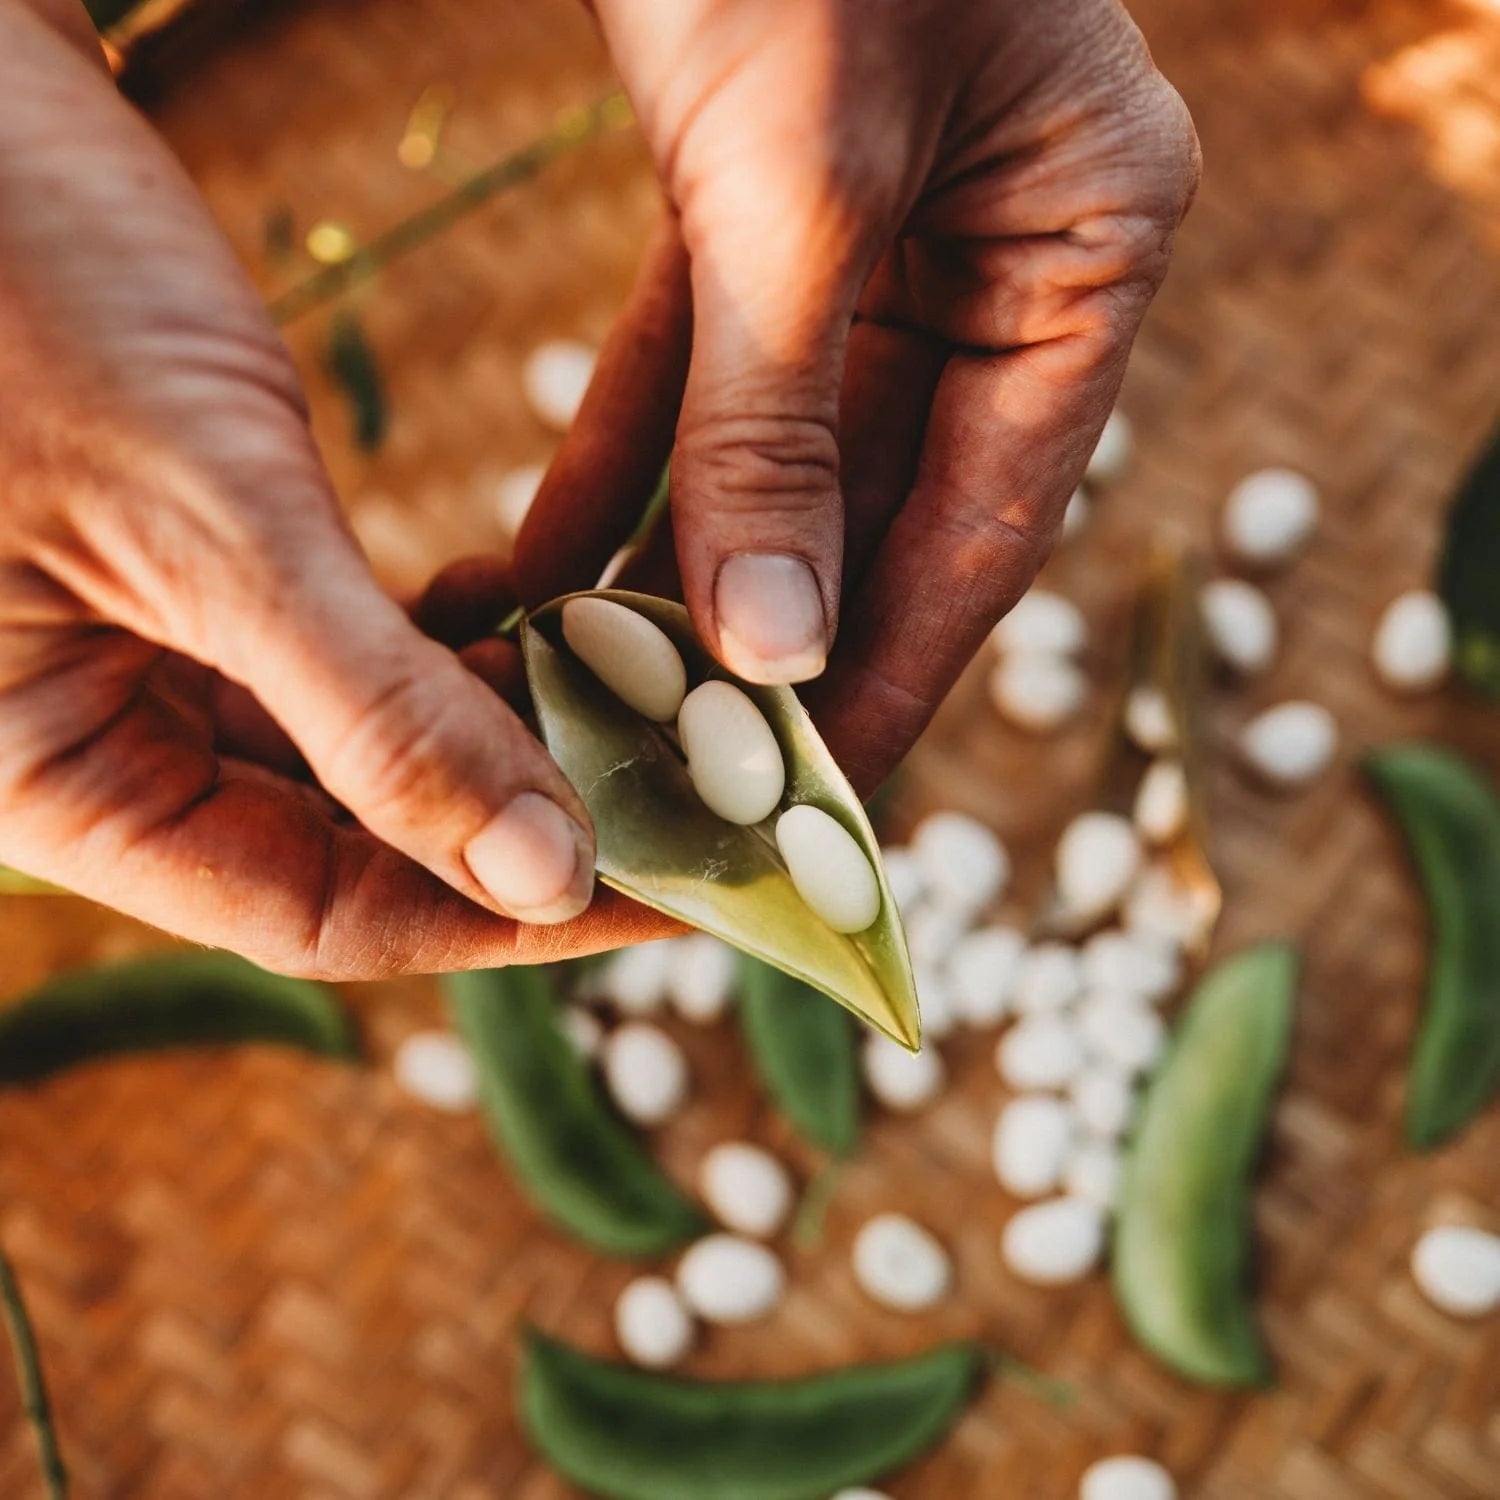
[910,245]
[186,627]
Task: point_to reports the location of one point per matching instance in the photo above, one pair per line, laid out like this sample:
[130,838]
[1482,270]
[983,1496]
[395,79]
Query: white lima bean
[935,997]
[1098,858]
[1268,516]
[1037,691]
[898,1264]
[654,1328]
[554,378]
[633,657]
[830,870]
[726,1279]
[1240,625]
[982,972]
[584,1031]
[900,1080]
[746,1189]
[1094,1172]
[1111,455]
[1041,1052]
[1103,1100]
[1044,622]
[1031,1143]
[1161,802]
[1457,1268]
[1049,977]
[645,1073]
[635,979]
[1135,962]
[904,876]
[1160,908]
[512,496]
[435,1067]
[733,759]
[1127,1478]
[932,930]
[1150,723]
[1052,1243]
[1413,642]
[1291,744]
[963,861]
[701,978]
[1122,1031]
[861,1495]
[1076,513]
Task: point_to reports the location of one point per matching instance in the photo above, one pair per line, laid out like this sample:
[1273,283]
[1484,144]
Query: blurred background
[258,1275]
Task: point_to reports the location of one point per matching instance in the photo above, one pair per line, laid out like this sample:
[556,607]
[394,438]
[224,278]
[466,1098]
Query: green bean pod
[803,1050]
[572,1155]
[1182,1239]
[626,1435]
[167,1000]
[1451,819]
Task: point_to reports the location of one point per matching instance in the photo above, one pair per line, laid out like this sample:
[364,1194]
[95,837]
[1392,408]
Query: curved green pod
[573,1156]
[803,1050]
[1182,1239]
[627,1435]
[1451,818]
[658,842]
[167,1000]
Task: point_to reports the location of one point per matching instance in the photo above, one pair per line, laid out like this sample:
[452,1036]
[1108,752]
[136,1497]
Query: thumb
[756,505]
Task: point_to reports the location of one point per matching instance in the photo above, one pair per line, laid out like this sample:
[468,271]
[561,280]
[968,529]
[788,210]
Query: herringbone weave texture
[257,1277]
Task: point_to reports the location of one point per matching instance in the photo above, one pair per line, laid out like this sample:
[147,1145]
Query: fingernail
[534,860]
[770,616]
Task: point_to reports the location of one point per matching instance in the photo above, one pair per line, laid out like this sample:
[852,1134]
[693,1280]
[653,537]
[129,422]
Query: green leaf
[1469,574]
[658,842]
[34,1400]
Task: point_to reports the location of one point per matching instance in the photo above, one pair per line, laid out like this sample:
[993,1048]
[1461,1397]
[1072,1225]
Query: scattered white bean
[1121,1030]
[935,997]
[654,1328]
[1413,642]
[635,979]
[1076,513]
[1045,622]
[982,972]
[861,1495]
[830,870]
[645,1073]
[554,378]
[584,1031]
[902,1081]
[746,1189]
[1041,1052]
[1457,1268]
[1103,1099]
[732,756]
[1161,908]
[900,1265]
[727,1279]
[435,1067]
[962,860]
[700,981]
[1036,691]
[1098,856]
[1268,516]
[1048,977]
[1150,723]
[512,496]
[1094,1172]
[1127,1478]
[1031,1143]
[1051,1243]
[1161,802]
[904,876]
[1240,625]
[1291,744]
[1135,962]
[1111,456]
[633,657]
[932,931]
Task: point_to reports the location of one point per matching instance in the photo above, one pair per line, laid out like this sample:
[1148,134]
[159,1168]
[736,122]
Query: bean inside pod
[661,844]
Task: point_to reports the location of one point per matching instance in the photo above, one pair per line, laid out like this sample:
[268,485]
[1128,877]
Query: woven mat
[260,1277]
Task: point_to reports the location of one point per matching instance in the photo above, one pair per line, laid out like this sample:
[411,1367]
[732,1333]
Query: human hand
[186,627]
[909,249]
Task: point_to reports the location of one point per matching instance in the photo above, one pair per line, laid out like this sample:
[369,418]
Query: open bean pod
[661,844]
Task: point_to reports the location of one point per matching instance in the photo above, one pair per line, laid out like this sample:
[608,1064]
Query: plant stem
[574,128]
[33,1387]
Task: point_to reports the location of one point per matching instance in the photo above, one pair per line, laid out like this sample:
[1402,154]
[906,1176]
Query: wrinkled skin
[907,251]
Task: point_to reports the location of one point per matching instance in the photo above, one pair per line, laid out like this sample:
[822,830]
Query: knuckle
[759,462]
